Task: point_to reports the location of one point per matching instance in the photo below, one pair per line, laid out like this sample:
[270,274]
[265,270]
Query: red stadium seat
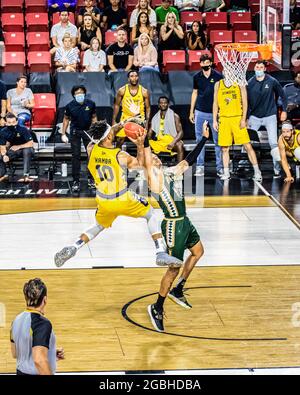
[38,41]
[37,22]
[255,8]
[12,22]
[35,6]
[174,60]
[247,36]
[14,62]
[80,3]
[111,37]
[11,6]
[157,3]
[295,35]
[44,110]
[241,20]
[14,42]
[56,20]
[39,61]
[194,59]
[216,20]
[188,17]
[218,37]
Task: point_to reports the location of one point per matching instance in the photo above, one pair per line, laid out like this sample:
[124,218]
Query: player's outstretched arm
[130,161]
[154,175]
[284,161]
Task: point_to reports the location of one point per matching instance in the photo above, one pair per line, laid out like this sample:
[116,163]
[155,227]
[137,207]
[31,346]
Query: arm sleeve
[41,332]
[67,111]
[195,84]
[280,92]
[193,155]
[2,138]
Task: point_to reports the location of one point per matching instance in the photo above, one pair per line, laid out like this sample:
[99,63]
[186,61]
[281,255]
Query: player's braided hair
[34,291]
[98,129]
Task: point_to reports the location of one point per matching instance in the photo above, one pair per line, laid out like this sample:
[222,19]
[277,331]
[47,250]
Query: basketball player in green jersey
[178,231]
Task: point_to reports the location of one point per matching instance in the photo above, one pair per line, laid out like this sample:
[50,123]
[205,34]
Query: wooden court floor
[242,317]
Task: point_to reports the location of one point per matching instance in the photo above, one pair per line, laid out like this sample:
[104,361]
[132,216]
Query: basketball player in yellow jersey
[230,106]
[108,166]
[134,100]
[288,146]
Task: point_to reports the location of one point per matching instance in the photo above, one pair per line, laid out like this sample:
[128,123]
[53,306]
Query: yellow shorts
[161,144]
[230,132]
[129,204]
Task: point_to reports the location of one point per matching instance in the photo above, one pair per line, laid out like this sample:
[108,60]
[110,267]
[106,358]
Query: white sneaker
[199,171]
[257,177]
[225,177]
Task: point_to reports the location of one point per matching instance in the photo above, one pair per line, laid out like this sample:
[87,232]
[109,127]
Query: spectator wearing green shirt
[163,10]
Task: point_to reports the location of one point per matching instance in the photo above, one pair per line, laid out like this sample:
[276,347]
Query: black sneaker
[76,187]
[179,298]
[156,318]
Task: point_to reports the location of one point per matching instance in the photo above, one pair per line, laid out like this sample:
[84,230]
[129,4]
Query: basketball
[132,129]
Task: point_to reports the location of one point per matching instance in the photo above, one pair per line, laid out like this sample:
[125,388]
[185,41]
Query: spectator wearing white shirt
[94,58]
[142,6]
[66,57]
[187,5]
[59,30]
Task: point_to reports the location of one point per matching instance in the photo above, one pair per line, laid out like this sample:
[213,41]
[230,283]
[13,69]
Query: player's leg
[226,161]
[297,154]
[225,140]
[270,124]
[179,148]
[253,159]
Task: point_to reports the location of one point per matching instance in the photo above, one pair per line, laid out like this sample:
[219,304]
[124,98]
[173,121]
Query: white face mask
[80,97]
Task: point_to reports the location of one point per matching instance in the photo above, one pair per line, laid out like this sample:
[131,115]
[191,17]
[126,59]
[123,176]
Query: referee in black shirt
[81,112]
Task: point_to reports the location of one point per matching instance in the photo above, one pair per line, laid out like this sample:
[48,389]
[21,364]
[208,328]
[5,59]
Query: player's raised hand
[139,139]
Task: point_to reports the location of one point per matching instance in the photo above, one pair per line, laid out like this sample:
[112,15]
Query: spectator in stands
[196,38]
[120,54]
[202,109]
[20,101]
[60,29]
[214,5]
[114,16]
[15,142]
[166,131]
[292,92]
[61,5]
[94,59]
[188,5]
[3,98]
[262,109]
[66,57]
[171,34]
[143,6]
[238,5]
[145,54]
[81,113]
[88,31]
[142,26]
[2,43]
[89,8]
[294,15]
[162,11]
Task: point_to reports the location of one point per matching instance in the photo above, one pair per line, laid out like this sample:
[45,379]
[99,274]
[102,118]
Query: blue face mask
[259,73]
[80,98]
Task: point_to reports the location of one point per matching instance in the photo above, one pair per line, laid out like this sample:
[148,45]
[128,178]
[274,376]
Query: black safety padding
[40,82]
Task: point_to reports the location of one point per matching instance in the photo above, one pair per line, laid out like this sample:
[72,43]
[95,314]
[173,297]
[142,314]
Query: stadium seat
[248,36]
[14,42]
[37,41]
[295,35]
[157,3]
[44,110]
[188,17]
[39,61]
[218,37]
[255,7]
[55,18]
[173,60]
[240,20]
[111,37]
[216,21]
[130,6]
[14,62]
[35,6]
[79,4]
[37,22]
[194,58]
[12,22]
[11,6]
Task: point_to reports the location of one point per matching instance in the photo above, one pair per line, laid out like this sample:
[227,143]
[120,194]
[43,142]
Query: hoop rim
[263,49]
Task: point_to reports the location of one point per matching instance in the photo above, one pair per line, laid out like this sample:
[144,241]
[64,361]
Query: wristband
[146,142]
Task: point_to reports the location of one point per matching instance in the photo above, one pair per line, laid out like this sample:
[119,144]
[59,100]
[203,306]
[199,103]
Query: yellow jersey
[229,101]
[109,176]
[137,100]
[295,144]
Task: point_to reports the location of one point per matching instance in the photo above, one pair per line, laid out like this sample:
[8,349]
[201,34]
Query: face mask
[259,73]
[11,128]
[206,68]
[80,98]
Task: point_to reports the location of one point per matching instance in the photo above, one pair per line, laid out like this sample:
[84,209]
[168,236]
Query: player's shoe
[64,255]
[199,171]
[257,177]
[163,259]
[179,298]
[225,177]
[156,318]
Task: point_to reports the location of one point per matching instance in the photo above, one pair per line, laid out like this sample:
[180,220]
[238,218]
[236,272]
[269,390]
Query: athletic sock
[78,244]
[159,305]
[256,169]
[160,245]
[226,171]
[180,284]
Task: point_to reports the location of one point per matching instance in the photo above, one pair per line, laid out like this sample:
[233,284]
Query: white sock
[256,169]
[160,245]
[226,171]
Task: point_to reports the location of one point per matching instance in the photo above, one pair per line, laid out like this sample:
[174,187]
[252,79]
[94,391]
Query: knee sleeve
[153,223]
[93,231]
[275,154]
[297,153]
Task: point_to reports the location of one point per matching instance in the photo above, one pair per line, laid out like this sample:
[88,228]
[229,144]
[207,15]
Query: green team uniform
[178,231]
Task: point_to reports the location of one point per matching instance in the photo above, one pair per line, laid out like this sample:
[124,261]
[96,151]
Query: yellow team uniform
[163,140]
[127,100]
[112,196]
[230,115]
[291,148]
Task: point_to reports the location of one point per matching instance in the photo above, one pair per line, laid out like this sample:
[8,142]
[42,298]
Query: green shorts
[180,234]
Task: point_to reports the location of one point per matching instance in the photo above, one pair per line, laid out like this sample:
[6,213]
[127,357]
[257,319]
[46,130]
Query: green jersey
[171,199]
[161,13]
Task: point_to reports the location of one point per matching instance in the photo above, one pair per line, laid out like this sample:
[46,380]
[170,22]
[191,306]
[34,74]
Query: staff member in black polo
[15,142]
[202,109]
[82,113]
[3,99]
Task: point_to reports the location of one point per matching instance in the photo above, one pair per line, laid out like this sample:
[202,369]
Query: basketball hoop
[235,59]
